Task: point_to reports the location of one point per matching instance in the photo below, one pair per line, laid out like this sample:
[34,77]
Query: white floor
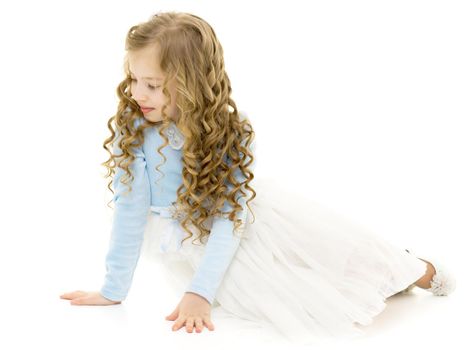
[34,317]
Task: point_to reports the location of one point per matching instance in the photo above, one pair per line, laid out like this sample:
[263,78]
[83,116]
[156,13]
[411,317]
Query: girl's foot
[437,280]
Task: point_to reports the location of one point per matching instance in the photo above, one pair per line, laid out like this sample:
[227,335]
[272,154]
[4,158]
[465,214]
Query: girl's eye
[149,86]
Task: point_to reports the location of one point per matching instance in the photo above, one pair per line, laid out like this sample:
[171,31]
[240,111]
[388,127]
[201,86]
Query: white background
[360,105]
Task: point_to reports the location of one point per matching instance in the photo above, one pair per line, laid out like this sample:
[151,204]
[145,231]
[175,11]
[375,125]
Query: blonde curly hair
[217,140]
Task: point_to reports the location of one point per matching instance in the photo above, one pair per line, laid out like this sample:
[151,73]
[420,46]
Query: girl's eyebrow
[148,78]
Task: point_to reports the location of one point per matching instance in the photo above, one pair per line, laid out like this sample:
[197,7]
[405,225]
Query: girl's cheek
[159,95]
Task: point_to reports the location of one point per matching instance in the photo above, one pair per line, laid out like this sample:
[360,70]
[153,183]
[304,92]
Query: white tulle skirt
[301,268]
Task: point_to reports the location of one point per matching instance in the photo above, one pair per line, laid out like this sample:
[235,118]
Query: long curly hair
[217,140]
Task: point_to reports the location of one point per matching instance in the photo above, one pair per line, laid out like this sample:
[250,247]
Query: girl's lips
[146,110]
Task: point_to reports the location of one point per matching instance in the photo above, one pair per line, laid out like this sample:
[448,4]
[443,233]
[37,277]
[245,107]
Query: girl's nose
[137,94]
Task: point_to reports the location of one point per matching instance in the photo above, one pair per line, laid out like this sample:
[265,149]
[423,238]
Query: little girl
[183,159]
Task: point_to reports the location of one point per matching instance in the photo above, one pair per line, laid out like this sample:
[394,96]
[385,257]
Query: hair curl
[217,140]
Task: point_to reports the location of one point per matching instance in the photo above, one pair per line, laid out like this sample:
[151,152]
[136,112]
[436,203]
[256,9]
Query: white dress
[306,271]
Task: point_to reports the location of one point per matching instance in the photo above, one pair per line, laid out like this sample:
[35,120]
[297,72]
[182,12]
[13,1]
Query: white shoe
[442,283]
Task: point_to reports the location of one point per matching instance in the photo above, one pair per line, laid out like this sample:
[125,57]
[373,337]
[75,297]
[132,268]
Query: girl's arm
[129,221]
[220,248]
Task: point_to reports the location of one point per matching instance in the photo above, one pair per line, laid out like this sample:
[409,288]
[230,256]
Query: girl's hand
[80,297]
[192,309]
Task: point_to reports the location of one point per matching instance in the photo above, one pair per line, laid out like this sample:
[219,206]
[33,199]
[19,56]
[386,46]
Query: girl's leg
[424,281]
[436,280]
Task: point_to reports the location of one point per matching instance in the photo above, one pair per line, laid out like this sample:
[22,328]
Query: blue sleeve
[129,221]
[221,246]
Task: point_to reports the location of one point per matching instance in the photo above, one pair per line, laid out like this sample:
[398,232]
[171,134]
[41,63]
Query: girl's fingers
[189,324]
[78,301]
[178,323]
[173,316]
[86,300]
[199,324]
[209,324]
[72,295]
[80,297]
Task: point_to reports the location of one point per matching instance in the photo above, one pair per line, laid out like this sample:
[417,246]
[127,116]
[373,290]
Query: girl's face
[146,84]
